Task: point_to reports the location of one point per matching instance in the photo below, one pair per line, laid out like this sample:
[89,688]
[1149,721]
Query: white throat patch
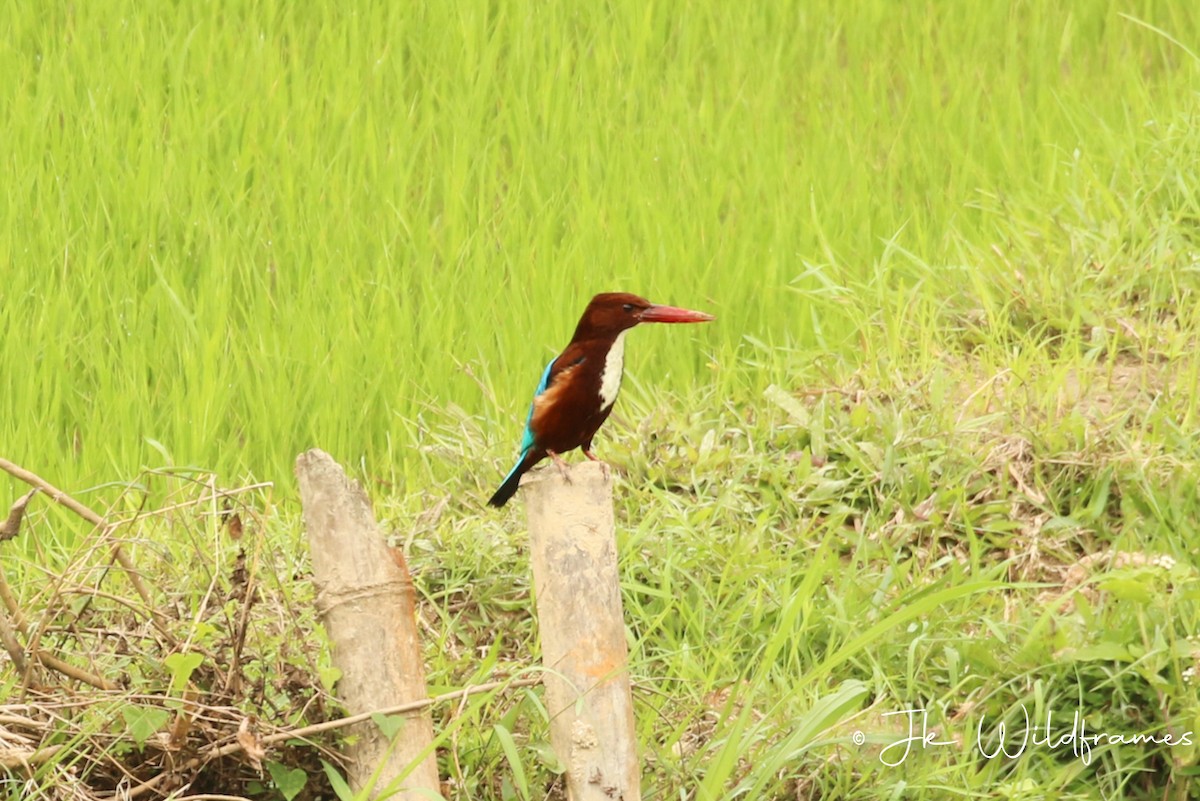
[614,366]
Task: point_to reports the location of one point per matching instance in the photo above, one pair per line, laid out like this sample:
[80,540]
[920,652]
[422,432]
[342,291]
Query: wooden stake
[574,554]
[366,599]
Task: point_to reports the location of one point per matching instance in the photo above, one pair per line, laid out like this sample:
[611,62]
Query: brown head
[610,313]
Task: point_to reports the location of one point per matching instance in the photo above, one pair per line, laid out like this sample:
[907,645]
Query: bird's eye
[628,307]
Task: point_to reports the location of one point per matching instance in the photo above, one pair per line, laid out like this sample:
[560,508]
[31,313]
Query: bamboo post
[366,600]
[574,555]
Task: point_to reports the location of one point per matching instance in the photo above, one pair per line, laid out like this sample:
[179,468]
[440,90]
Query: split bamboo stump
[366,600]
[574,555]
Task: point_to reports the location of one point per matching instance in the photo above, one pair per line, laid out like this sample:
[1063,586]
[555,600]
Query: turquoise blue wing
[527,437]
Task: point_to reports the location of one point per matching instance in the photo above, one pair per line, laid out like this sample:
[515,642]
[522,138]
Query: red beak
[671,314]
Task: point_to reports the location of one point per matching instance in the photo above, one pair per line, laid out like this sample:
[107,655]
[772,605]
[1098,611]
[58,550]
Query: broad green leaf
[182,666]
[340,787]
[288,781]
[1104,651]
[390,725]
[143,721]
[1126,590]
[509,746]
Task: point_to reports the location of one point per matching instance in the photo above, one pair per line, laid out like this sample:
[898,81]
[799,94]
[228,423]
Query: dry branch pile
[145,647]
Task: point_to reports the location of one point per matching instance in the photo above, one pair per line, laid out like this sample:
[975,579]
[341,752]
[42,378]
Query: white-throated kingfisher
[578,389]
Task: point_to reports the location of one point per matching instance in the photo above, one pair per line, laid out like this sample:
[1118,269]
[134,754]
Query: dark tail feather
[513,479]
[507,489]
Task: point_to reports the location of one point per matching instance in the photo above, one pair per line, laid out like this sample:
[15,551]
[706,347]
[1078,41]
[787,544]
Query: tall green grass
[237,230]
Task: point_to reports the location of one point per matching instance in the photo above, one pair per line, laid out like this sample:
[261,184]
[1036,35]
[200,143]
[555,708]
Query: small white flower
[1164,561]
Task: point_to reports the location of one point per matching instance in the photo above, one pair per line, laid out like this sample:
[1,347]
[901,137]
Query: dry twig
[60,497]
[10,527]
[329,725]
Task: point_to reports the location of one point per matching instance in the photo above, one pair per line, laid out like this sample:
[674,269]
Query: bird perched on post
[578,389]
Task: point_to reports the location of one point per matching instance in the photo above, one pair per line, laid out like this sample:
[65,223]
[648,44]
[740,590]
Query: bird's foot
[563,469]
[604,468]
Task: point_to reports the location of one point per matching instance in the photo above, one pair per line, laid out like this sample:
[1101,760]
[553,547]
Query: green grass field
[936,452]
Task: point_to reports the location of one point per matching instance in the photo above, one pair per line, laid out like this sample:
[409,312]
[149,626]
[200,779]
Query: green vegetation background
[237,230]
[953,253]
